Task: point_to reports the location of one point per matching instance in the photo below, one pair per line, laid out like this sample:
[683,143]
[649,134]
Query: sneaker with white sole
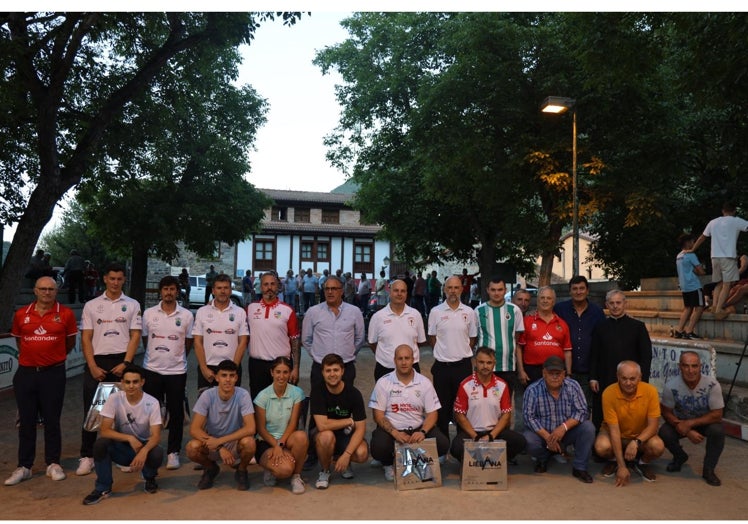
[19,475]
[124,469]
[323,480]
[172,461]
[85,466]
[297,484]
[348,473]
[269,479]
[96,496]
[389,473]
[54,471]
[375,463]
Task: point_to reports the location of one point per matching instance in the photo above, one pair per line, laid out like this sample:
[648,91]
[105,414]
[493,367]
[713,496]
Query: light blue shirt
[687,279]
[223,417]
[278,409]
[323,332]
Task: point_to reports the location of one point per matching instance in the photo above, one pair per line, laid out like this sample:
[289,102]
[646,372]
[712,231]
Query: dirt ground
[555,495]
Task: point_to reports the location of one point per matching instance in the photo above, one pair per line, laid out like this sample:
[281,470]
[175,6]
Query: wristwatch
[638,442]
[422,431]
[126,362]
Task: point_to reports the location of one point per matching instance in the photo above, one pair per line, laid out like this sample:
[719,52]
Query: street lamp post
[558,105]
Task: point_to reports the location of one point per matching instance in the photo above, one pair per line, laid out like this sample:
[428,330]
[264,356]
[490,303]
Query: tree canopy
[441,128]
[68,77]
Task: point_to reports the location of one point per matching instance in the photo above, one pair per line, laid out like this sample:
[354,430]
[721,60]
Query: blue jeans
[582,436]
[106,451]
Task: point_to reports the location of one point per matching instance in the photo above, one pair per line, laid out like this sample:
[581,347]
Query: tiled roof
[286,196]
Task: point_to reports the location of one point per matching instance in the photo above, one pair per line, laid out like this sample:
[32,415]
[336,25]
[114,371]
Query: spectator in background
[381,289]
[247,287]
[434,287]
[210,277]
[290,289]
[689,268]
[521,299]
[723,232]
[475,293]
[419,294]
[184,284]
[310,286]
[91,279]
[364,294]
[73,273]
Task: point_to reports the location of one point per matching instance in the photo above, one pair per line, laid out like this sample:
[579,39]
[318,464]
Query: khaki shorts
[232,446]
[725,269]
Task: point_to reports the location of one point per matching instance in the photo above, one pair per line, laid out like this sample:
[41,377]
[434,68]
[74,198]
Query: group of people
[483,358]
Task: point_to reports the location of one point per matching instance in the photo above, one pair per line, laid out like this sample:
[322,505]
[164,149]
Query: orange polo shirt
[630,415]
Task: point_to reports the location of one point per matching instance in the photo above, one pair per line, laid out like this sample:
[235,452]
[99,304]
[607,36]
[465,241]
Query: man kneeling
[129,435]
[223,427]
[340,416]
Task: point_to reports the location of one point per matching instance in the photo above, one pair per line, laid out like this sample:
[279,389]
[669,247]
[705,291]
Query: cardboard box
[417,465]
[484,466]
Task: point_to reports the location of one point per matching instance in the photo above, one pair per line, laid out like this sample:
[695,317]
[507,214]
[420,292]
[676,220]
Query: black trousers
[515,443]
[169,391]
[447,377]
[383,444]
[39,392]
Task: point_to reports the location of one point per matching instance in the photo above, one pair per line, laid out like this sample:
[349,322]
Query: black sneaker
[96,496]
[691,336]
[645,470]
[677,463]
[679,334]
[711,478]
[242,479]
[209,474]
[150,486]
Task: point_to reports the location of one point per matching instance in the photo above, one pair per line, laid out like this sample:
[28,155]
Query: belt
[455,363]
[38,369]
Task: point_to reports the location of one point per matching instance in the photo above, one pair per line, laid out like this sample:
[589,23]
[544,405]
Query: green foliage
[74,233]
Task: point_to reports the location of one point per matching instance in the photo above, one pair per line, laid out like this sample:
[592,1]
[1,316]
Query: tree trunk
[546,265]
[139,274]
[38,213]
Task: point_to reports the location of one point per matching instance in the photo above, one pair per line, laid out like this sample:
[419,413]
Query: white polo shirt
[271,328]
[111,322]
[389,330]
[453,329]
[405,406]
[220,331]
[165,335]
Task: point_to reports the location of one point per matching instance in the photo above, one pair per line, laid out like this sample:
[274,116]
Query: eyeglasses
[47,289]
[326,289]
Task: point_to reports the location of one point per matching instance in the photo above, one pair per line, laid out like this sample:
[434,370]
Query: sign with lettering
[484,466]
[417,465]
[665,356]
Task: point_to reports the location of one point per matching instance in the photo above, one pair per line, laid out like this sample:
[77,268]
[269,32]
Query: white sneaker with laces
[19,475]
[54,471]
[85,466]
[297,485]
[323,481]
[389,473]
[348,473]
[269,479]
[172,461]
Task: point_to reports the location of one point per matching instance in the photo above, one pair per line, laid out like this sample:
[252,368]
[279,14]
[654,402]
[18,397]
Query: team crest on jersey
[124,307]
[534,326]
[231,317]
[418,394]
[178,322]
[412,322]
[57,318]
[464,318]
[507,316]
[277,314]
[558,327]
[26,319]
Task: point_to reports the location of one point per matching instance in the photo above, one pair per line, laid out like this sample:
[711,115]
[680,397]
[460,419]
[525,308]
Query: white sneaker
[297,485]
[269,479]
[54,471]
[85,466]
[20,474]
[389,473]
[124,469]
[323,480]
[172,461]
[348,473]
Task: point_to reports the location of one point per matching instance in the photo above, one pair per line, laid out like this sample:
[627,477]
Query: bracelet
[565,426]
[346,451]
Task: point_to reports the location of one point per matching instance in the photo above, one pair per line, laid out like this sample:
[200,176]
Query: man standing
[628,435]
[310,286]
[692,407]
[321,285]
[210,278]
[45,333]
[111,334]
[467,281]
[223,428]
[453,328]
[545,335]
[483,408]
[340,418]
[434,287]
[273,333]
[500,325]
[405,406]
[619,337]
[220,333]
[364,294]
[521,298]
[689,268]
[556,416]
[724,232]
[73,273]
[394,325]
[185,286]
[419,294]
[247,287]
[91,279]
[130,433]
[581,316]
[167,337]
[334,327]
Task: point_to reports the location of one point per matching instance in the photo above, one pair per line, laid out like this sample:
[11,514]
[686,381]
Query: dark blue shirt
[580,330]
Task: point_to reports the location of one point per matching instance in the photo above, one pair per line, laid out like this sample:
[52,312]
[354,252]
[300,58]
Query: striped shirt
[498,328]
[542,411]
